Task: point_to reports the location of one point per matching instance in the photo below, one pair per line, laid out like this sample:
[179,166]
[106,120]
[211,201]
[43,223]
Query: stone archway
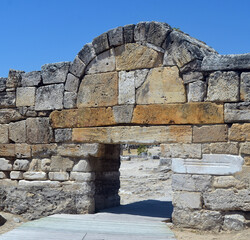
[144,83]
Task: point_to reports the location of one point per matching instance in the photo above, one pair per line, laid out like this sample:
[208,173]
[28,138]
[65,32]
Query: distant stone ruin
[61,127]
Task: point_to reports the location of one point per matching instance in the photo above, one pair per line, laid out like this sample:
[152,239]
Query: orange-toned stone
[239,132]
[64,118]
[188,113]
[247,160]
[7,150]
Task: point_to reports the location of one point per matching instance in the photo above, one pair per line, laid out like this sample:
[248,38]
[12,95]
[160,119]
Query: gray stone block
[82,177]
[3,84]
[192,77]
[69,100]
[126,88]
[49,97]
[190,200]
[115,37]
[221,148]
[63,134]
[3,175]
[237,112]
[5,165]
[196,91]
[58,176]
[87,53]
[9,115]
[25,96]
[61,164]
[21,165]
[128,32]
[245,86]
[18,175]
[228,182]
[7,99]
[77,67]
[234,222]
[82,166]
[35,175]
[17,131]
[55,72]
[31,79]
[123,113]
[101,43]
[140,32]
[14,78]
[4,133]
[72,83]
[45,164]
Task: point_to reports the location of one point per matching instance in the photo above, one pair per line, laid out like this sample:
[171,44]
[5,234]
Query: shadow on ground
[147,208]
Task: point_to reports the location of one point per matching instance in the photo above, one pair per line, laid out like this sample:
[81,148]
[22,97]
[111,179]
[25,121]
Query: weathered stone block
[191,200]
[133,56]
[4,133]
[35,165]
[21,165]
[16,175]
[61,164]
[245,148]
[7,150]
[25,96]
[17,131]
[44,150]
[45,164]
[239,132]
[45,183]
[181,150]
[192,77]
[31,79]
[221,148]
[123,113]
[23,150]
[228,182]
[196,91]
[35,175]
[9,115]
[14,78]
[101,43]
[7,99]
[126,88]
[87,53]
[58,176]
[63,135]
[223,87]
[55,72]
[140,76]
[237,112]
[5,165]
[49,97]
[69,100]
[210,133]
[245,86]
[82,166]
[189,113]
[3,175]
[162,85]
[128,33]
[234,222]
[115,37]
[82,177]
[77,67]
[39,130]
[72,83]
[98,90]
[140,32]
[2,84]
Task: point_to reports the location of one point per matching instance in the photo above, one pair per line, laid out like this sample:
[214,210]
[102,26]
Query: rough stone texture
[239,132]
[98,90]
[43,150]
[3,175]
[77,67]
[7,99]
[140,32]
[191,200]
[189,113]
[115,37]
[69,100]
[17,131]
[126,88]
[128,32]
[21,165]
[101,43]
[221,148]
[162,85]
[45,164]
[196,91]
[228,182]
[82,177]
[14,78]
[192,77]
[16,175]
[55,72]
[35,165]
[123,113]
[226,62]
[214,164]
[234,222]
[210,133]
[82,166]
[5,165]
[203,220]
[58,176]
[23,150]
[2,84]
[35,175]
[87,53]
[4,133]
[49,97]
[72,83]
[133,56]
[223,87]
[245,86]
[239,199]
[63,135]
[134,134]
[140,77]
[7,150]
[9,115]
[31,79]
[237,112]
[38,130]
[245,148]
[25,96]
[181,150]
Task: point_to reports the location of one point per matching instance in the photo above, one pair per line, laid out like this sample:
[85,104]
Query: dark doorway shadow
[148,208]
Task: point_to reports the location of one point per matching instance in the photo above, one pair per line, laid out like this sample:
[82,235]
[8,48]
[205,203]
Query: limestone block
[210,133]
[245,86]
[39,130]
[3,175]
[44,150]
[101,43]
[17,131]
[35,165]
[123,113]
[5,165]
[181,150]
[69,100]
[4,133]
[228,182]
[16,175]
[98,90]
[25,96]
[31,79]
[82,177]
[192,77]
[81,150]
[72,83]
[51,184]
[82,166]
[126,88]
[133,56]
[226,62]
[87,53]
[227,199]
[162,85]
[77,67]
[21,165]
[140,32]
[245,148]
[239,132]
[214,164]
[189,113]
[191,200]
[115,37]
[45,164]
[7,99]
[128,33]
[58,176]
[234,222]
[7,150]
[237,112]
[14,78]
[223,87]
[221,148]
[61,164]
[63,135]
[49,97]
[2,84]
[35,176]
[196,91]
[247,160]
[55,72]
[140,76]
[9,115]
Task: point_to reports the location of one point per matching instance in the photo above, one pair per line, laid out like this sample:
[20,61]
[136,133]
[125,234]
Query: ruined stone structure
[60,128]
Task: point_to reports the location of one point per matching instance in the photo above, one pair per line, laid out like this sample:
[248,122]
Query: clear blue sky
[35,32]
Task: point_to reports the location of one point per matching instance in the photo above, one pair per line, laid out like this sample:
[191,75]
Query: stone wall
[145,83]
